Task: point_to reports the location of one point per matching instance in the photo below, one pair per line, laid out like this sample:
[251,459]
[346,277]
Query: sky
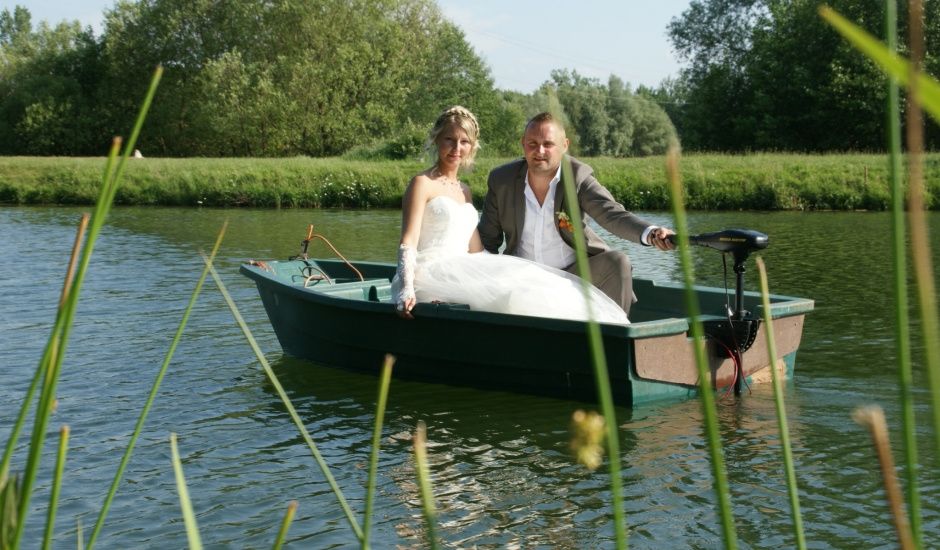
[521,41]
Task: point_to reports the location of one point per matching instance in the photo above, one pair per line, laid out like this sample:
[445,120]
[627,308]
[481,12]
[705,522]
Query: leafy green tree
[286,78]
[602,119]
[766,74]
[48,87]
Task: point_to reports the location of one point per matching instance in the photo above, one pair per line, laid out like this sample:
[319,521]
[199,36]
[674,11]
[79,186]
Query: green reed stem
[189,518]
[902,334]
[55,349]
[384,383]
[424,482]
[782,425]
[154,388]
[698,340]
[9,500]
[51,361]
[56,487]
[285,525]
[27,401]
[601,376]
[920,232]
[350,517]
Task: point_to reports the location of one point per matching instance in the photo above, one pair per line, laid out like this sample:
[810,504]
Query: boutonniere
[564,222]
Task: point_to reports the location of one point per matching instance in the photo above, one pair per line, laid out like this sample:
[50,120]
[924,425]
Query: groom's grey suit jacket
[504,209]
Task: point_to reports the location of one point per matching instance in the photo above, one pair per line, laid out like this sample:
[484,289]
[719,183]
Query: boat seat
[373,290]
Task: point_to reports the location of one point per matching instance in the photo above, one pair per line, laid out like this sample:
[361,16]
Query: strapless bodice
[446,227]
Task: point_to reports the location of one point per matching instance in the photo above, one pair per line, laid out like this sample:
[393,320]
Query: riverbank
[712,182]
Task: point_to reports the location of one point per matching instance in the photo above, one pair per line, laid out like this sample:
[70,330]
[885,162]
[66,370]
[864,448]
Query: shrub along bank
[712,182]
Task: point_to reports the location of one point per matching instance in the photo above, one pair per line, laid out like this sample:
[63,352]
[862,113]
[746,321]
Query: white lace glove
[407,258]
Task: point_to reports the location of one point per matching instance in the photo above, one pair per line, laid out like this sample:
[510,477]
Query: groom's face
[544,144]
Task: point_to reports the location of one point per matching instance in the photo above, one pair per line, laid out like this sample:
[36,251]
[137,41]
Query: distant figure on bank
[137,154]
[525,208]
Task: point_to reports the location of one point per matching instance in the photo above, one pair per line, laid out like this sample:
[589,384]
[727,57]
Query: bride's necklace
[445,180]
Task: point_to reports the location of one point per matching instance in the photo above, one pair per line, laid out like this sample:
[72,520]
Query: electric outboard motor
[740,243]
[738,332]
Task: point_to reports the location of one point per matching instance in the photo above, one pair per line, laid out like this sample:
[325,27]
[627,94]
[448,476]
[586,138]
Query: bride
[441,257]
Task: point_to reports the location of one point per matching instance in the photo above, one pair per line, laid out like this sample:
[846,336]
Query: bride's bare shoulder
[422,179]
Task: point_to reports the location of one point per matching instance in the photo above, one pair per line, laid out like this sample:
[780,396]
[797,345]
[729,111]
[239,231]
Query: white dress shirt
[540,241]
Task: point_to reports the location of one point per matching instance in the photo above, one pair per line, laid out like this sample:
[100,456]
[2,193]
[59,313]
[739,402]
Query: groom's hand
[659,238]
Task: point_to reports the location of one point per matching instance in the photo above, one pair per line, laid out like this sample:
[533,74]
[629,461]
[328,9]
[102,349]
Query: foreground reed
[698,343]
[51,363]
[781,412]
[599,360]
[923,91]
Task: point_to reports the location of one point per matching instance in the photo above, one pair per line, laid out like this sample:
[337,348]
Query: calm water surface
[502,472]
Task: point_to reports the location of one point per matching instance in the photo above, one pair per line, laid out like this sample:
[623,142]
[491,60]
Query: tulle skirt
[508,284]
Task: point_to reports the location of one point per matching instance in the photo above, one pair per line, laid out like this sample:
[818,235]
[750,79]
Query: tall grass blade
[601,377]
[923,92]
[706,392]
[189,518]
[781,411]
[9,505]
[56,487]
[27,401]
[50,364]
[285,525]
[73,258]
[902,333]
[424,483]
[52,357]
[376,440]
[873,418]
[154,388]
[350,517]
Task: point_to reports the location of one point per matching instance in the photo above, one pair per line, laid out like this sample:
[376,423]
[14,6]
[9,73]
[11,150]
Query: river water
[502,473]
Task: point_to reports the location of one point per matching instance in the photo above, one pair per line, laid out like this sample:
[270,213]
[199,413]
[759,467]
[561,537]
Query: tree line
[281,78]
[771,75]
[365,78]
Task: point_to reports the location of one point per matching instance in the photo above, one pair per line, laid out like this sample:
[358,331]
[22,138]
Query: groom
[525,206]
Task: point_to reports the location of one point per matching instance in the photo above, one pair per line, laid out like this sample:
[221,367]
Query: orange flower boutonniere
[564,223]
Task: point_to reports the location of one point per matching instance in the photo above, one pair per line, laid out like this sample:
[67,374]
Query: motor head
[732,240]
[739,242]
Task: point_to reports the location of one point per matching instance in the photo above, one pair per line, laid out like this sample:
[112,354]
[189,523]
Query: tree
[768,74]
[602,119]
[48,87]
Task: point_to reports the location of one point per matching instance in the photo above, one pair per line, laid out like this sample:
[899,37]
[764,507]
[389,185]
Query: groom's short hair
[546,117]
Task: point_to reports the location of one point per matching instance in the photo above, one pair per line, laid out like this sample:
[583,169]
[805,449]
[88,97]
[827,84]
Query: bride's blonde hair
[462,118]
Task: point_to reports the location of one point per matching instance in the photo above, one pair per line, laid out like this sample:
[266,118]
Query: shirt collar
[551,185]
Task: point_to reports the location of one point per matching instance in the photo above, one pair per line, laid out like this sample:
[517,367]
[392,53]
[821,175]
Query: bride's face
[453,145]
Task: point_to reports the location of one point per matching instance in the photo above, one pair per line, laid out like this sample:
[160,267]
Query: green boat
[342,314]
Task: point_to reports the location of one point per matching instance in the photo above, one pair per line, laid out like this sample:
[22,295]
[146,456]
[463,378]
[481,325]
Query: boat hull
[352,324]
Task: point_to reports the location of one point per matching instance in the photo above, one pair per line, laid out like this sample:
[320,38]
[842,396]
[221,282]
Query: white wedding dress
[446,272]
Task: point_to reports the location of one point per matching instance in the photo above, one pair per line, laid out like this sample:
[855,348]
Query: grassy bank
[712,182]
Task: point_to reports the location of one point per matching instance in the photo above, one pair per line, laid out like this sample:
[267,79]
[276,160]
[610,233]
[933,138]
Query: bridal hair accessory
[564,223]
[407,259]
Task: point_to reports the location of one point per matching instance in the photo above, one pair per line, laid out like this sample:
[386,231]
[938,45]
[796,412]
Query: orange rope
[311,235]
